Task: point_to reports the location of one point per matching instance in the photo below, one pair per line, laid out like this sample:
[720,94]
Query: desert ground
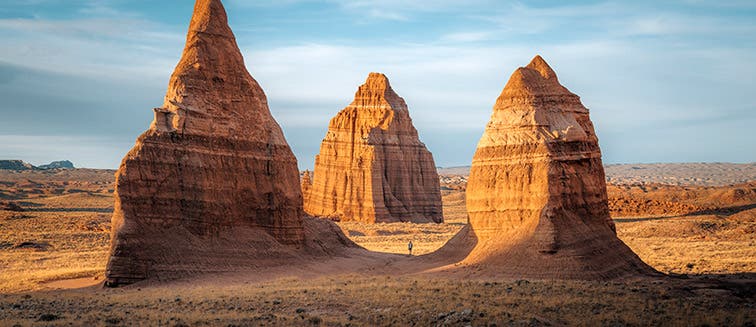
[697,229]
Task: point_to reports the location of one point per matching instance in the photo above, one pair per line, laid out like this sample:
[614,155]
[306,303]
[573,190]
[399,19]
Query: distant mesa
[21,165]
[65,164]
[212,185]
[372,166]
[536,195]
[16,165]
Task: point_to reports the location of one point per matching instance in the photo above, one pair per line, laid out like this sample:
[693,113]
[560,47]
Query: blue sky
[665,82]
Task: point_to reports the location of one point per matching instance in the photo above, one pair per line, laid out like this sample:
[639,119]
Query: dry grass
[77,201]
[707,244]
[426,238]
[394,237]
[59,245]
[77,236]
[78,240]
[385,300]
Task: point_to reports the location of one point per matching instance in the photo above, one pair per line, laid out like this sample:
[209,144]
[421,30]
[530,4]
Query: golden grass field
[61,240]
[355,300]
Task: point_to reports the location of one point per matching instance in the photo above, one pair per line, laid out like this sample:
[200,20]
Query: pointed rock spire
[540,65]
[210,90]
[536,195]
[213,167]
[306,178]
[377,82]
[306,185]
[372,166]
[377,91]
[536,80]
[209,18]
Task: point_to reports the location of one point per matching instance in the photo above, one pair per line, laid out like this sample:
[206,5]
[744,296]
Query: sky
[670,81]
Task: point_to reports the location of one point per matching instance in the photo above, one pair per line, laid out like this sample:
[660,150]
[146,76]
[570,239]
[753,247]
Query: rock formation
[64,164]
[212,178]
[372,166]
[306,183]
[21,165]
[15,165]
[536,194]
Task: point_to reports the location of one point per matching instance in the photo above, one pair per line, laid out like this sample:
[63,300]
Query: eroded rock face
[536,195]
[306,184]
[213,177]
[372,166]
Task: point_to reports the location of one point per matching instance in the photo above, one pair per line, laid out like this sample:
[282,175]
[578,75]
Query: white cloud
[126,49]
[638,71]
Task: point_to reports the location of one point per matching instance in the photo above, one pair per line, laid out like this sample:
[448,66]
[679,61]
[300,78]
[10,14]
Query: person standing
[409,247]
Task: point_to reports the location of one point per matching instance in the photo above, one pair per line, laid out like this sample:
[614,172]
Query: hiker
[409,246]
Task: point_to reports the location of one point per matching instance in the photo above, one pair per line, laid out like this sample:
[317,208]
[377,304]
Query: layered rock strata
[306,184]
[372,166]
[213,178]
[536,195]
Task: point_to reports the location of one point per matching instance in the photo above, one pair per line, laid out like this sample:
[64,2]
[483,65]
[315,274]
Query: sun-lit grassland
[63,230]
[387,300]
[706,244]
[37,247]
[426,238]
[64,235]
[700,244]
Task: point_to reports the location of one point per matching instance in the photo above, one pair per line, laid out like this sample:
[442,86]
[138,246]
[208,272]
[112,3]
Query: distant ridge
[64,164]
[21,165]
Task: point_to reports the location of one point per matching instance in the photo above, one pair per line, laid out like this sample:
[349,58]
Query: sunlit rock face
[213,173]
[536,195]
[372,166]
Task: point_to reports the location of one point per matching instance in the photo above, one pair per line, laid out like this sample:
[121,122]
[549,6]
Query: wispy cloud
[105,48]
[467,36]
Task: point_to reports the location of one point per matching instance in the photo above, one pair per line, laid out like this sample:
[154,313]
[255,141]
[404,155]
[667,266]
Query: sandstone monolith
[536,195]
[372,166]
[213,179]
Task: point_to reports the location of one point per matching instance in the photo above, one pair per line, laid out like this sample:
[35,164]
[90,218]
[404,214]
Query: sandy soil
[73,283]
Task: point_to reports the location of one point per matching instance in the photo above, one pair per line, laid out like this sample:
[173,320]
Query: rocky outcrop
[64,164]
[212,183]
[306,185]
[372,166]
[21,165]
[15,165]
[536,195]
